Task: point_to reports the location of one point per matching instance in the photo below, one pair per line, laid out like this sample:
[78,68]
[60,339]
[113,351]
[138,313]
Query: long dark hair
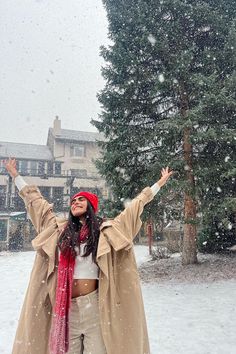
[70,238]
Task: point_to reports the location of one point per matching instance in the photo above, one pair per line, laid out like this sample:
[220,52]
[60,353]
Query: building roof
[25,151]
[76,135]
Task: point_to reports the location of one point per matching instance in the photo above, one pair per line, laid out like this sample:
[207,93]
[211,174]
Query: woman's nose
[78,202]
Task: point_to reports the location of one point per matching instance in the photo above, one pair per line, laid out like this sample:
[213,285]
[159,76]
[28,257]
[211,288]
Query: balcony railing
[15,203]
[61,174]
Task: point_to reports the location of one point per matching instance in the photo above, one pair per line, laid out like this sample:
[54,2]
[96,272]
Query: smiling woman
[81,298]
[79,206]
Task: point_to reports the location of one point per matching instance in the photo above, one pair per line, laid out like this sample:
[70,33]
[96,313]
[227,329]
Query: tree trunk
[189,247]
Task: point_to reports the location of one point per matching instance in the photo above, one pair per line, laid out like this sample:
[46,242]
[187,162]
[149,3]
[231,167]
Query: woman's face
[79,206]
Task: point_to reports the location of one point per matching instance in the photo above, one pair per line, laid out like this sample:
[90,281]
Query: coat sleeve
[128,222]
[39,210]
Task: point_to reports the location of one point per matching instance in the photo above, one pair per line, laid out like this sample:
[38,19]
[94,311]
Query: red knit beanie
[92,198]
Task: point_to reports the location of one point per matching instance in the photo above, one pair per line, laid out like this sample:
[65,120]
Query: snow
[161,78]
[151,39]
[227,158]
[191,319]
[183,318]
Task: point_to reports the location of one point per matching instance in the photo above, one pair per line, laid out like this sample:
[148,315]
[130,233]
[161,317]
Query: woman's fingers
[165,172]
[10,165]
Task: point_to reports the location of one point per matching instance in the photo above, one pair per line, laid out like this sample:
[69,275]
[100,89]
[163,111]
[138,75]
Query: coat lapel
[49,244]
[114,236]
[103,249]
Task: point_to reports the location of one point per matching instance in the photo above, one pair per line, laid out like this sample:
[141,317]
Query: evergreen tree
[218,192]
[168,65]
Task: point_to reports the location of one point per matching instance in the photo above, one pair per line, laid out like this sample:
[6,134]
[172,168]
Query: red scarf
[59,334]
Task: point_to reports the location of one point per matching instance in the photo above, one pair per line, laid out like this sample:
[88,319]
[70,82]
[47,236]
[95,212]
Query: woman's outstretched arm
[39,210]
[128,222]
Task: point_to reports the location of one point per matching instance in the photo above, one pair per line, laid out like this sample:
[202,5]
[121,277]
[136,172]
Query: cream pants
[84,327]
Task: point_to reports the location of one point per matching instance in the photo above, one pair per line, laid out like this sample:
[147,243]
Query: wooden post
[150,236]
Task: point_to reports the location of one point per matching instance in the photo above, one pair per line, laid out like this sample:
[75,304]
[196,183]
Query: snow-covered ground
[182,318]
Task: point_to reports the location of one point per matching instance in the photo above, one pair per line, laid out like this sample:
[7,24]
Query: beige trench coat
[121,308]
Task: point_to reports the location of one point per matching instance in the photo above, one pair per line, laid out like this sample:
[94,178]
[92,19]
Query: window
[46,192]
[77,150]
[41,168]
[2,167]
[57,192]
[58,168]
[50,167]
[57,198]
[3,230]
[23,167]
[78,173]
[33,167]
[17,202]
[3,190]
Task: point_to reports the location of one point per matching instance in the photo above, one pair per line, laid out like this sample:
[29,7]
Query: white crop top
[85,268]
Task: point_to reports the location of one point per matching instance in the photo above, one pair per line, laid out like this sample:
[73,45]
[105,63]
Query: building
[13,231]
[62,167]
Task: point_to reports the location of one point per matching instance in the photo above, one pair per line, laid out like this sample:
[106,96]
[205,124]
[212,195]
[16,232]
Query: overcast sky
[50,65]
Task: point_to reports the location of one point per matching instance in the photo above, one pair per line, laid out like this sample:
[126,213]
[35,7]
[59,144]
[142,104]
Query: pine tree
[218,192]
[167,66]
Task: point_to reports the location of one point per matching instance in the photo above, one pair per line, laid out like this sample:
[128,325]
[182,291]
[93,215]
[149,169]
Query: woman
[84,292]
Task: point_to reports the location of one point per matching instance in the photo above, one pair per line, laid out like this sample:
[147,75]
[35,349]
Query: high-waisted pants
[85,336]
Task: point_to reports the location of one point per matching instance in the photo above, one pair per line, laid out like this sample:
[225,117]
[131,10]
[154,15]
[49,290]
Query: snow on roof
[12,213]
[25,151]
[67,134]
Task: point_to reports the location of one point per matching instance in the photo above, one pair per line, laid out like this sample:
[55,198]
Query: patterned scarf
[59,334]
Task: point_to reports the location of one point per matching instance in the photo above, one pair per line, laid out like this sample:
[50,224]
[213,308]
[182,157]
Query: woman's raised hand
[165,175]
[10,165]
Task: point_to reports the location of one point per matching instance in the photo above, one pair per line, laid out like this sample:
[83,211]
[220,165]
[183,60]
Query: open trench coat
[121,307]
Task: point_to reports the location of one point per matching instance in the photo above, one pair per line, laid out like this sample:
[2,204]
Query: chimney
[56,126]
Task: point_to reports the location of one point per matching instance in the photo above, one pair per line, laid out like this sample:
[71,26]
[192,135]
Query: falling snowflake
[151,39]
[161,78]
[186,167]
